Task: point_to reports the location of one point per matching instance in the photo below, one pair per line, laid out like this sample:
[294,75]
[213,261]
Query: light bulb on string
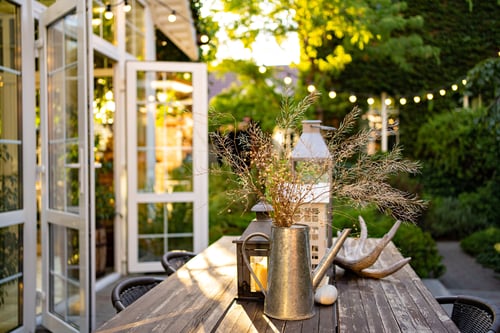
[311,88]
[332,94]
[126,6]
[430,96]
[353,98]
[464,82]
[402,101]
[454,87]
[370,101]
[108,13]
[172,17]
[442,92]
[416,99]
[387,101]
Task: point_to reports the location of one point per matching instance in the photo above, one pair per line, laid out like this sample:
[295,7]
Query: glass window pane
[135,30]
[11,277]
[64,167]
[70,39]
[64,279]
[102,26]
[10,35]
[164,227]
[10,189]
[165,132]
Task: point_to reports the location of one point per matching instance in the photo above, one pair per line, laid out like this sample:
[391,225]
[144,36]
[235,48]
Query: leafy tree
[331,35]
[251,92]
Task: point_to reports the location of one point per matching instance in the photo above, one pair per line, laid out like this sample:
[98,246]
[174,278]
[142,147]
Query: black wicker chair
[130,289]
[472,314]
[173,260]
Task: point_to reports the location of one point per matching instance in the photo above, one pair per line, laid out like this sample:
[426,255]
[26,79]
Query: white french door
[167,161]
[67,273]
[17,163]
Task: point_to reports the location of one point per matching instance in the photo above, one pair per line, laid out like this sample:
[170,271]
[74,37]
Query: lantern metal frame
[256,247]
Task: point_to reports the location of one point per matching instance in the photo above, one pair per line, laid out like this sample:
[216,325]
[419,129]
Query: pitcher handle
[245,258]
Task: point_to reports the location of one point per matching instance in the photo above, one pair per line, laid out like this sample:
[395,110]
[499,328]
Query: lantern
[312,157]
[257,251]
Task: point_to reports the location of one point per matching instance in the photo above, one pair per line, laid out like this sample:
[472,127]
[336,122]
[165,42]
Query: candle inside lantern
[259,266]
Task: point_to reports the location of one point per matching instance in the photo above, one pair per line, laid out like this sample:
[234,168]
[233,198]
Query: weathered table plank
[397,303]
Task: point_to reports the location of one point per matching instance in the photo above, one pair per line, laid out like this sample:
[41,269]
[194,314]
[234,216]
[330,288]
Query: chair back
[472,314]
[173,260]
[130,289]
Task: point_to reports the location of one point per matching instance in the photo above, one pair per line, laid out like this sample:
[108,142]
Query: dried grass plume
[264,170]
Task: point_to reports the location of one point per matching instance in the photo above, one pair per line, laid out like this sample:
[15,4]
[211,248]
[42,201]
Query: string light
[172,17]
[417,98]
[126,6]
[108,13]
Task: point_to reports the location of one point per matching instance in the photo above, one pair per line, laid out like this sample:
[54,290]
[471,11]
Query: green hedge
[485,247]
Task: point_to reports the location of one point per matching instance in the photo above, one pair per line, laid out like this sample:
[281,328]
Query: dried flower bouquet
[264,169]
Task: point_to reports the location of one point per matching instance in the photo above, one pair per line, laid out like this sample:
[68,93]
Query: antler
[357,260]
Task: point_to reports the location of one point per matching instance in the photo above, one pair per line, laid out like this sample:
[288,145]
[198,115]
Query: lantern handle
[245,258]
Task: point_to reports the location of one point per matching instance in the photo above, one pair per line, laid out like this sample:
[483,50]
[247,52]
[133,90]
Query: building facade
[103,152]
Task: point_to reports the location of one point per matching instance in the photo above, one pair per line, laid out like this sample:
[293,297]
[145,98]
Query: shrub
[457,217]
[484,245]
[410,239]
[226,217]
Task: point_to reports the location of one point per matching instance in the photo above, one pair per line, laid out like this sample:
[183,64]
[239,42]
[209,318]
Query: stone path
[465,276]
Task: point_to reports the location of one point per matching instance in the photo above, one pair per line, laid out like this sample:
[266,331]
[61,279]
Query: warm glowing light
[108,95]
[332,94]
[353,98]
[430,96]
[172,17]
[388,101]
[162,97]
[416,99]
[464,82]
[204,39]
[127,7]
[454,87]
[402,101]
[287,80]
[442,92]
[311,88]
[108,14]
[262,69]
[370,101]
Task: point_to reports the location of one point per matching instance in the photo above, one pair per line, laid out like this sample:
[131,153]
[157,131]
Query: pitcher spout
[327,260]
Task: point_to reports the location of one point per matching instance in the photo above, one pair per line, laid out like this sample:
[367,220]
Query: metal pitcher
[290,282]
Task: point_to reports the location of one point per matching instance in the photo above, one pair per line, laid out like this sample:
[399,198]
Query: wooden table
[201,297]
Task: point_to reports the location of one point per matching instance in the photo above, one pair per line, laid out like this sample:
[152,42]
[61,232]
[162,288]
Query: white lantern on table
[312,158]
